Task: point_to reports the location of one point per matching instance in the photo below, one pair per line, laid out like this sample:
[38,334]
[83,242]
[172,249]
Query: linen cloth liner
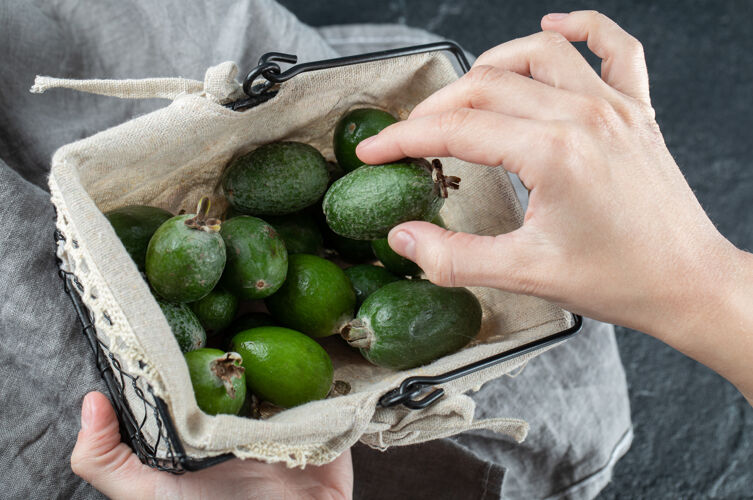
[172,156]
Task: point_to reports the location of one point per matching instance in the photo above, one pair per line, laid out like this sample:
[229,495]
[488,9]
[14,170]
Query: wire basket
[141,413]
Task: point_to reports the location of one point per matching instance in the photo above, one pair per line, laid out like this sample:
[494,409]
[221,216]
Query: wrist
[736,327]
[709,318]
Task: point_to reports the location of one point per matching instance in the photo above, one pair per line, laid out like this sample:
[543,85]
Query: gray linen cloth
[574,396]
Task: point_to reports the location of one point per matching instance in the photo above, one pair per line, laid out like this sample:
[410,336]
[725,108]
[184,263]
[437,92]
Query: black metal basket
[412,392]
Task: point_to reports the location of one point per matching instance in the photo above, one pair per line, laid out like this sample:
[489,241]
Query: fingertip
[402,242]
[553,18]
[86,412]
[96,412]
[560,23]
[364,144]
[378,149]
[403,237]
[570,26]
[98,401]
[374,150]
[363,148]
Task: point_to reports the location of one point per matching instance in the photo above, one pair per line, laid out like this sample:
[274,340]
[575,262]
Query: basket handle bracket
[410,388]
[270,71]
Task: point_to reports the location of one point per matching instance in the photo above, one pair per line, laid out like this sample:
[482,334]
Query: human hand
[101,459]
[612,229]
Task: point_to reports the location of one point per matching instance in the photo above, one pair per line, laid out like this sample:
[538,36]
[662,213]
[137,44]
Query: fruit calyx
[228,368]
[202,220]
[357,333]
[441,182]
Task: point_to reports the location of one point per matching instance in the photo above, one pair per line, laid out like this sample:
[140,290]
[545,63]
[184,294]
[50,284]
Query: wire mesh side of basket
[166,452]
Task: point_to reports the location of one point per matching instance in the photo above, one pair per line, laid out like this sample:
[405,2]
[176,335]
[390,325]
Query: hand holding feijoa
[371,200]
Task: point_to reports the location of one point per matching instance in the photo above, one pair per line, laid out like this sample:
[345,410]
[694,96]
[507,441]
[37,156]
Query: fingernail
[365,143]
[86,413]
[556,16]
[403,243]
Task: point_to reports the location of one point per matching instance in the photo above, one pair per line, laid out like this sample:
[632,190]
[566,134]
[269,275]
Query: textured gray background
[693,431]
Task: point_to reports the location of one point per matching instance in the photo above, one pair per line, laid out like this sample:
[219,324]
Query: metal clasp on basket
[268,69]
[412,387]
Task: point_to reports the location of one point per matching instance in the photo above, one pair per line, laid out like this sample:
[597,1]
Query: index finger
[473,135]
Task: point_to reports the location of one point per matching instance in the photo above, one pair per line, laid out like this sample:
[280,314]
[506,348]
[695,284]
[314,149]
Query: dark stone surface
[693,431]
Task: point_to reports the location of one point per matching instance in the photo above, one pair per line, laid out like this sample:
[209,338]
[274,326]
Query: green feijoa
[248,321]
[392,260]
[216,310]
[353,251]
[275,179]
[218,380]
[410,323]
[135,225]
[299,231]
[256,258]
[352,128]
[367,279]
[316,298]
[395,262]
[184,324]
[371,200]
[186,256]
[283,366]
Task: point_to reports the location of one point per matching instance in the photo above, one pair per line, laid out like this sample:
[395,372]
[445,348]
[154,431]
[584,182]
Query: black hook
[270,70]
[409,389]
[278,57]
[267,68]
[264,69]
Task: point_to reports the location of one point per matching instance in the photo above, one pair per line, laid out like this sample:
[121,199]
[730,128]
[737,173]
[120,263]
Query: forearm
[714,324]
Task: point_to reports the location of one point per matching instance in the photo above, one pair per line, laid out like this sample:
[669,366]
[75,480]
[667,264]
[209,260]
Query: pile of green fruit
[294,222]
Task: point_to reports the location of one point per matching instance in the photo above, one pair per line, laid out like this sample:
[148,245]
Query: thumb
[101,459]
[449,258]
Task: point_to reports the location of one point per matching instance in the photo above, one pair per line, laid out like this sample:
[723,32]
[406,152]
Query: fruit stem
[441,182]
[227,368]
[202,220]
[357,333]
